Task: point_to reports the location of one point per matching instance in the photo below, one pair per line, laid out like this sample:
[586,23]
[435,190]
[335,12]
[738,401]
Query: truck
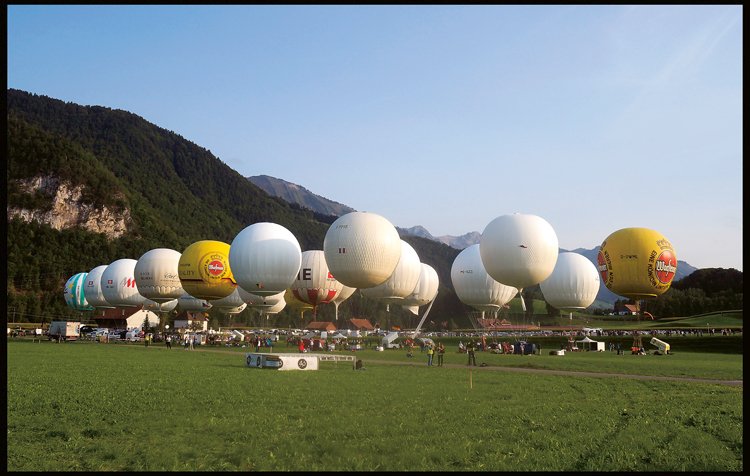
[64,330]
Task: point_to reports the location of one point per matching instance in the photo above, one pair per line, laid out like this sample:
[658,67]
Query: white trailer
[64,330]
[387,342]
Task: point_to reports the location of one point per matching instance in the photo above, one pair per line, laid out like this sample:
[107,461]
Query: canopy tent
[590,344]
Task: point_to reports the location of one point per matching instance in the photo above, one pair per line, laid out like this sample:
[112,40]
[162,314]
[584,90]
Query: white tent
[590,344]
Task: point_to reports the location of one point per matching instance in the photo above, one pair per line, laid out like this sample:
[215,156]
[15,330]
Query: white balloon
[519,250]
[257,301]
[474,287]
[362,249]
[228,302]
[118,284]
[402,280]
[272,304]
[186,302]
[276,308]
[232,310]
[93,288]
[162,306]
[345,293]
[157,275]
[265,258]
[425,291]
[573,284]
[315,284]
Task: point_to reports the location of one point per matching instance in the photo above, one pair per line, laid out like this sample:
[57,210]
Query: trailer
[663,346]
[64,330]
[299,361]
[387,342]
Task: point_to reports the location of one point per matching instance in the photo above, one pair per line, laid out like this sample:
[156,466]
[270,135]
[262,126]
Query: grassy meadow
[85,406]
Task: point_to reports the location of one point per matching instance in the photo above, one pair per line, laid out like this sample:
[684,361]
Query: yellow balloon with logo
[204,270]
[637,263]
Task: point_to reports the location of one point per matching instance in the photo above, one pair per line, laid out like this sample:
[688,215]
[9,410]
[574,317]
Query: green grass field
[119,407]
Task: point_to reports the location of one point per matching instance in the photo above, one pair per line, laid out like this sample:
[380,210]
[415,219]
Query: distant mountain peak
[294,193]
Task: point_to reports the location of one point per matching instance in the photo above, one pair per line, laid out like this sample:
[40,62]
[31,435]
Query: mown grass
[116,407]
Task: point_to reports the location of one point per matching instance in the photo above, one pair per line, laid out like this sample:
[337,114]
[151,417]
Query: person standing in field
[430,352]
[440,353]
[470,351]
[301,346]
[168,340]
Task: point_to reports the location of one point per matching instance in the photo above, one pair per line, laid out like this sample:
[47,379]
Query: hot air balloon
[265,305]
[345,293]
[573,284]
[74,293]
[474,287]
[160,307]
[157,275]
[118,284]
[232,304]
[362,249]
[186,303]
[315,284]
[92,289]
[424,292]
[402,280]
[519,250]
[275,309]
[265,258]
[637,263]
[204,270]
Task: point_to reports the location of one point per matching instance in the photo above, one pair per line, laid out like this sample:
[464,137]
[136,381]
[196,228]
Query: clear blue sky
[595,118]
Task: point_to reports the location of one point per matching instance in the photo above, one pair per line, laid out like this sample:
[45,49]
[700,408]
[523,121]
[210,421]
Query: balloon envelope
[315,284]
[265,258]
[295,303]
[161,306]
[157,275]
[93,288]
[345,293]
[362,249]
[204,270]
[519,250]
[186,302]
[228,302]
[263,303]
[74,293]
[118,284]
[425,291]
[474,287]
[402,280]
[637,263]
[573,284]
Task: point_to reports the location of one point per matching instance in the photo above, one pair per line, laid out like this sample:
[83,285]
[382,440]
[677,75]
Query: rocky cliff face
[68,209]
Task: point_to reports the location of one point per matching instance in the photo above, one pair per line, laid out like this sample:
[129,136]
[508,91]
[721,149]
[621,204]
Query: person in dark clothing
[470,351]
[440,354]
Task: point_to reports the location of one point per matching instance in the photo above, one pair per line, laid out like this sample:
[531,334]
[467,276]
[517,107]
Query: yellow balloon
[637,263]
[294,303]
[204,270]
